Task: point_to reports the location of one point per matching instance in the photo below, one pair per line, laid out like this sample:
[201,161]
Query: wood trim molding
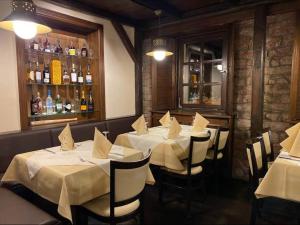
[138,40]
[125,40]
[259,45]
[295,81]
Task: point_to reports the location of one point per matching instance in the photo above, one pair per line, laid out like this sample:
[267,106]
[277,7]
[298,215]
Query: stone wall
[279,49]
[242,94]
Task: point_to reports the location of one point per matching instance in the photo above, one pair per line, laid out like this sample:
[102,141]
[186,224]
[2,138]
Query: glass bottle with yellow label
[83,105]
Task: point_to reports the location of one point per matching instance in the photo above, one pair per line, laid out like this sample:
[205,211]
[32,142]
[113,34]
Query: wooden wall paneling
[230,69]
[96,42]
[22,79]
[259,44]
[138,42]
[125,40]
[164,82]
[295,77]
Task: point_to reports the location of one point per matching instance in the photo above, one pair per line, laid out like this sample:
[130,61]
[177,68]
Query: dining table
[282,180]
[68,178]
[165,152]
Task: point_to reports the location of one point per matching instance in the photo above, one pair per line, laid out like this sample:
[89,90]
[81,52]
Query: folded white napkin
[165,121]
[174,130]
[140,125]
[199,123]
[292,143]
[66,139]
[101,146]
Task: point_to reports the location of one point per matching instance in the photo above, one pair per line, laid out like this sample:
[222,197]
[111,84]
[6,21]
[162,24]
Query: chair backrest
[257,160]
[222,138]
[198,151]
[127,181]
[268,145]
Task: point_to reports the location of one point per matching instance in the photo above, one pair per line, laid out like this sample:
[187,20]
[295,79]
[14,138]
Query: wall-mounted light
[159,45]
[23,20]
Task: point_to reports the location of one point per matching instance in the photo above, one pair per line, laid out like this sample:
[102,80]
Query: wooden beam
[259,45]
[138,42]
[80,6]
[125,40]
[159,4]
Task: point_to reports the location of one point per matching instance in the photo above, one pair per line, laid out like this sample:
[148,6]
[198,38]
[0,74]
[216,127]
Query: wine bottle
[68,106]
[66,77]
[58,104]
[58,48]
[30,74]
[88,76]
[46,74]
[72,50]
[84,51]
[38,73]
[90,103]
[73,74]
[80,75]
[49,103]
[83,106]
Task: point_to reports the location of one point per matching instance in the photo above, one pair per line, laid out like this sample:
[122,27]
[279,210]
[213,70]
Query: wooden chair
[268,144]
[125,200]
[258,167]
[189,179]
[216,153]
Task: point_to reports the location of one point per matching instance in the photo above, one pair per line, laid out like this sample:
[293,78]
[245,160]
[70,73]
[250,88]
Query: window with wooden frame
[203,71]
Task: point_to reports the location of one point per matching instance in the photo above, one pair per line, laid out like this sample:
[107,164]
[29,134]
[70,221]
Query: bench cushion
[80,132]
[119,126]
[16,210]
[16,143]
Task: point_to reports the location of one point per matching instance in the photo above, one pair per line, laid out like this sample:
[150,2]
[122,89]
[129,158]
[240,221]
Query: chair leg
[203,189]
[160,189]
[188,200]
[254,211]
[216,176]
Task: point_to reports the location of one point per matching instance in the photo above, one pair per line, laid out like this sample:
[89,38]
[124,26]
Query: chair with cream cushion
[125,200]
[268,145]
[257,169]
[189,179]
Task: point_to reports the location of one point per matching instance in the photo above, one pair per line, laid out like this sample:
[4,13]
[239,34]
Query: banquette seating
[20,142]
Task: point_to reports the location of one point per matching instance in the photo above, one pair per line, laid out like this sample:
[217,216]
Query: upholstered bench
[16,210]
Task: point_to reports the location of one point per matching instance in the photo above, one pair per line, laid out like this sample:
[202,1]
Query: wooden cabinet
[42,53]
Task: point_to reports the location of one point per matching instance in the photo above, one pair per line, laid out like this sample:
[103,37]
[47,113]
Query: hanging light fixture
[159,45]
[23,20]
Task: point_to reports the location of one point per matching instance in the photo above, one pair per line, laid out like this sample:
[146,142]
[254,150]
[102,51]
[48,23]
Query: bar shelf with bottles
[59,78]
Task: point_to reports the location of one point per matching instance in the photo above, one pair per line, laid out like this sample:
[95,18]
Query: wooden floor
[230,206]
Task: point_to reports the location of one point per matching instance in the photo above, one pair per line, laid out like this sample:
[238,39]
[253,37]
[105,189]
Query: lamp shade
[23,20]
[159,49]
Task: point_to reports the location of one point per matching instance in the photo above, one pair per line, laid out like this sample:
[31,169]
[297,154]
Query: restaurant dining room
[149,112]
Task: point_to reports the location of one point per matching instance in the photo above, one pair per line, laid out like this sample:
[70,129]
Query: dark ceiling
[140,12]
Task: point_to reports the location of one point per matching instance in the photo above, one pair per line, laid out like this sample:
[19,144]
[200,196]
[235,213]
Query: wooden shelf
[72,85]
[59,114]
[56,55]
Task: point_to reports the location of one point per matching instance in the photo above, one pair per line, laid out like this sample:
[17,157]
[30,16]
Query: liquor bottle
[56,71]
[90,103]
[58,104]
[46,74]
[38,73]
[84,51]
[39,103]
[47,47]
[30,73]
[34,45]
[72,50]
[67,106]
[34,107]
[66,77]
[76,101]
[88,76]
[80,75]
[49,103]
[58,48]
[73,74]
[83,106]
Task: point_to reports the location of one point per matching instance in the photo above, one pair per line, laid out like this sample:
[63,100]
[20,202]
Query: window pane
[191,74]
[192,52]
[212,94]
[191,95]
[213,72]
[213,49]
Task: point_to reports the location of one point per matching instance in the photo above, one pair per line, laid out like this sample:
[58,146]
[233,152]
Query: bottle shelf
[59,114]
[56,55]
[42,84]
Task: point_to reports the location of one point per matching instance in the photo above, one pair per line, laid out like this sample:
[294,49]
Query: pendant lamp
[23,20]
[159,49]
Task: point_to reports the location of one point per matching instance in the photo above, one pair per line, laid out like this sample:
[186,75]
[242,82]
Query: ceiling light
[23,20]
